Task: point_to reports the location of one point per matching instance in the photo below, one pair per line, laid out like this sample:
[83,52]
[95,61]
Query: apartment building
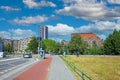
[22,43]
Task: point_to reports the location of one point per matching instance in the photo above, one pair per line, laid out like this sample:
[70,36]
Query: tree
[7,48]
[112,43]
[59,49]
[48,45]
[32,45]
[98,50]
[77,45]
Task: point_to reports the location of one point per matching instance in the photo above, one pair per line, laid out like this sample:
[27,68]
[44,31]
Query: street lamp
[41,53]
[64,53]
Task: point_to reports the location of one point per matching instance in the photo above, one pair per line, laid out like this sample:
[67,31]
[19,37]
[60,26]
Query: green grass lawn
[98,68]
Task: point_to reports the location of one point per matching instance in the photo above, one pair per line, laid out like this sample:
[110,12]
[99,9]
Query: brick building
[90,38]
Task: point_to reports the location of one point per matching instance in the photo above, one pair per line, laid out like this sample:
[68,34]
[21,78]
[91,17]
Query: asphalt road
[8,65]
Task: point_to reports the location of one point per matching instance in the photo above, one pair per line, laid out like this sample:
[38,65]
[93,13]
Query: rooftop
[88,35]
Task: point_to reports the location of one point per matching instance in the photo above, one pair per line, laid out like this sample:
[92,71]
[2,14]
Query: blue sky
[21,18]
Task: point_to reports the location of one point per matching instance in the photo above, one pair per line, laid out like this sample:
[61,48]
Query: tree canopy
[77,44]
[48,45]
[112,43]
[32,45]
[7,47]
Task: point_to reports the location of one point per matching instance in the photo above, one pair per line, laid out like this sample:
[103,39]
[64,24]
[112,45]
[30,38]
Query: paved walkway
[59,71]
[37,72]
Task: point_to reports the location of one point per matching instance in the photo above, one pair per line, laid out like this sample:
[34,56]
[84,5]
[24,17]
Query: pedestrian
[77,53]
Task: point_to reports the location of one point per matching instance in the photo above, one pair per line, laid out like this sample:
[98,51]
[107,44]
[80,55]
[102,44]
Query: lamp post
[41,53]
[64,53]
[39,43]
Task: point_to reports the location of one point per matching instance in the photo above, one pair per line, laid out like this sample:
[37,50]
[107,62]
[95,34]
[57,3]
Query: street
[12,65]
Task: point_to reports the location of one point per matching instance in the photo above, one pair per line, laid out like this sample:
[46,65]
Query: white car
[27,55]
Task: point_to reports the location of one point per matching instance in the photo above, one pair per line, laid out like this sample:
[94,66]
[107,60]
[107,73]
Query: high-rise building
[43,32]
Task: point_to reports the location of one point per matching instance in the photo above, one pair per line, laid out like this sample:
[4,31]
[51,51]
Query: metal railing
[80,73]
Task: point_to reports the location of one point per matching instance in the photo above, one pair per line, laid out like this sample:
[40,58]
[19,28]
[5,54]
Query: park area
[97,67]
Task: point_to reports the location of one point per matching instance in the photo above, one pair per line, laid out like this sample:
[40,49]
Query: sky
[21,18]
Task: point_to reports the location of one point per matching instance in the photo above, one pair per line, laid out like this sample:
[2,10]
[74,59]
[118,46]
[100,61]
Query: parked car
[28,55]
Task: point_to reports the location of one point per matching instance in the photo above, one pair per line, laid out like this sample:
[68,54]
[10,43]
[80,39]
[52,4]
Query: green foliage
[112,44]
[48,45]
[7,48]
[32,45]
[59,49]
[77,44]
[96,51]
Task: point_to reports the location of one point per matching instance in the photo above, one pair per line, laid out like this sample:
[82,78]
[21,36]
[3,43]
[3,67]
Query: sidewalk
[59,71]
[37,72]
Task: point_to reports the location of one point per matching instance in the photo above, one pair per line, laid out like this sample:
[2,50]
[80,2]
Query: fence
[80,73]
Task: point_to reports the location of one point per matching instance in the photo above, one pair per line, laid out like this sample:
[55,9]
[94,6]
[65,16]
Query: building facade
[64,42]
[7,41]
[15,45]
[90,38]
[22,44]
[43,32]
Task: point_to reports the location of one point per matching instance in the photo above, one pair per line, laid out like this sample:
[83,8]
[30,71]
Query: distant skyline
[22,18]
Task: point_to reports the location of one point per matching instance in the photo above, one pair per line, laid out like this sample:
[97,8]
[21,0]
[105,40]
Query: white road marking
[17,69]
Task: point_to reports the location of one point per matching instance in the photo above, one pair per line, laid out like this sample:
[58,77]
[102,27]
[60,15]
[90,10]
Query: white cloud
[5,34]
[114,1]
[7,8]
[100,28]
[60,30]
[30,20]
[17,34]
[20,32]
[102,36]
[88,9]
[58,39]
[33,4]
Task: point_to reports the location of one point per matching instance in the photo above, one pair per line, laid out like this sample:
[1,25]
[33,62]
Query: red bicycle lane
[39,71]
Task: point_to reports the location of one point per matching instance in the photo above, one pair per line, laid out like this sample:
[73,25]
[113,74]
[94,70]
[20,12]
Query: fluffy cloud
[114,1]
[5,34]
[20,32]
[17,33]
[30,20]
[33,4]
[7,8]
[88,9]
[60,30]
[101,28]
